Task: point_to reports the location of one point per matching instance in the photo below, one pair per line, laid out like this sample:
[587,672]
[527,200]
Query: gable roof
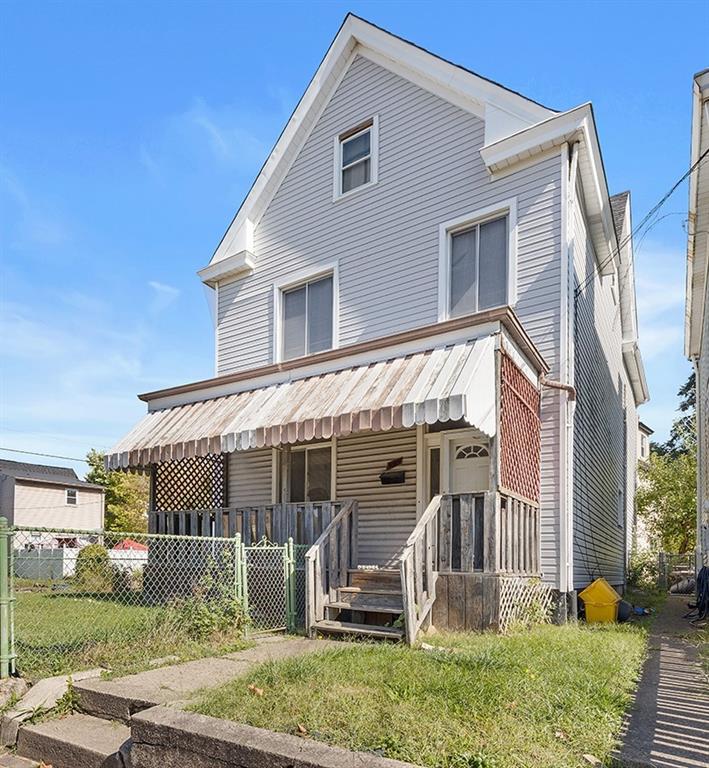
[508,110]
[619,204]
[43,473]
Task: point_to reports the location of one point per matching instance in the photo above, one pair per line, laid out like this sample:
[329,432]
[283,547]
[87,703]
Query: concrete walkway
[668,725]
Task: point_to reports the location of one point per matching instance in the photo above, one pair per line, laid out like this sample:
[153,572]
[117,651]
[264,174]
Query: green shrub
[93,570]
[202,618]
[643,570]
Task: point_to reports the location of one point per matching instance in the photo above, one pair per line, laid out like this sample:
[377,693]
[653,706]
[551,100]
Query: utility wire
[637,229]
[46,455]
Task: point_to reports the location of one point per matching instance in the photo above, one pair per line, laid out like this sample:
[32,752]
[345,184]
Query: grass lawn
[58,633]
[543,697]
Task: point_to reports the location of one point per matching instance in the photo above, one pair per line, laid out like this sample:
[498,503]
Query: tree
[667,495]
[127,495]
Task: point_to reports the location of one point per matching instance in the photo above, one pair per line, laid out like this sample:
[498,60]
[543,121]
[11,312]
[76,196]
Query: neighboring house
[426,304]
[49,497]
[696,338]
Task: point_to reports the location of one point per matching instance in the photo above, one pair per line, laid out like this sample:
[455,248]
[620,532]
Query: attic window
[71,496]
[356,158]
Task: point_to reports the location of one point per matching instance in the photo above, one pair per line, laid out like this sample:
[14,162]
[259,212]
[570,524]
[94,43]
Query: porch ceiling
[440,384]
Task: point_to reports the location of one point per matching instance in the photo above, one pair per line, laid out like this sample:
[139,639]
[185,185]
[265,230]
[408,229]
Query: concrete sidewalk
[668,725]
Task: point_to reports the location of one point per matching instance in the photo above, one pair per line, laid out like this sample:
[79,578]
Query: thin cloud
[163,297]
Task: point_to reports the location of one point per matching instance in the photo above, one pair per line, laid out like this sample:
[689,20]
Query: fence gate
[270,585]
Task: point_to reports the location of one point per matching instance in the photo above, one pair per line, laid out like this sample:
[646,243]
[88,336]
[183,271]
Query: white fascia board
[635,369]
[697,262]
[575,125]
[233,267]
[447,80]
[626,281]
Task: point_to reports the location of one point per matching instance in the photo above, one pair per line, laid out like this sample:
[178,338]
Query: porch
[392,477]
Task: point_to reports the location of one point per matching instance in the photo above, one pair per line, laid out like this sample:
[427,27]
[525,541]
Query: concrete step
[76,741]
[362,630]
[15,761]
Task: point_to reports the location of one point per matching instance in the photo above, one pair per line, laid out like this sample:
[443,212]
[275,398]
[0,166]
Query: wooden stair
[368,607]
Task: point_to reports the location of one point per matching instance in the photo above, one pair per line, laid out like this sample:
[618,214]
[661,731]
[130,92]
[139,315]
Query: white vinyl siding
[387,513]
[249,478]
[45,506]
[602,441]
[386,241]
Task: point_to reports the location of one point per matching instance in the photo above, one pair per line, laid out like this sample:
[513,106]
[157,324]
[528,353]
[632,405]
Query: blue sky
[131,131]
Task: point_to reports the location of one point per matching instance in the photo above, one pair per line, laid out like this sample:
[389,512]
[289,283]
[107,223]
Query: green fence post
[244,580]
[291,617]
[238,591]
[6,597]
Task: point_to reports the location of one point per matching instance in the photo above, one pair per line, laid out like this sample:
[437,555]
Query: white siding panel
[385,238]
[249,478]
[45,506]
[387,513]
[604,453]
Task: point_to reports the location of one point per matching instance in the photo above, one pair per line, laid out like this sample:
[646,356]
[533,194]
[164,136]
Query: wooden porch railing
[418,567]
[304,522]
[518,537]
[328,561]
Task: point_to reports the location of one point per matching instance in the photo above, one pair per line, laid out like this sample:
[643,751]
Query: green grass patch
[542,697]
[58,633]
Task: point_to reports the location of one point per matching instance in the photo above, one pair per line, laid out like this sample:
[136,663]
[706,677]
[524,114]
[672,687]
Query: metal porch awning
[440,384]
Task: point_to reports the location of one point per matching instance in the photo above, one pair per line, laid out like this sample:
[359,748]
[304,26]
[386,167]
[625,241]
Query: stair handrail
[418,569]
[321,583]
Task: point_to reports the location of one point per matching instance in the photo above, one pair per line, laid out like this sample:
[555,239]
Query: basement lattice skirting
[524,601]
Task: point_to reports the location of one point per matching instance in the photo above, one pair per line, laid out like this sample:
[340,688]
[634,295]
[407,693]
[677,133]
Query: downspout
[566,377]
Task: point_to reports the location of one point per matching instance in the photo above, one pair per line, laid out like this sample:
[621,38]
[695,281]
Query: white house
[425,305]
[49,497]
[696,338]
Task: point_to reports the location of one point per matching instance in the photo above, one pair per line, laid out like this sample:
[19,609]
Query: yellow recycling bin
[600,601]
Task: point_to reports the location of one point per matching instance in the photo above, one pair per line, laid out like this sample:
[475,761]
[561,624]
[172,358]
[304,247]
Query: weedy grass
[539,697]
[59,633]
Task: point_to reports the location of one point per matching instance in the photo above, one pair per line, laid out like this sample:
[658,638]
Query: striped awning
[445,383]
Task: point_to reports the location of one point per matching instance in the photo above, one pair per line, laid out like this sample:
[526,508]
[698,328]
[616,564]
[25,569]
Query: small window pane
[493,263]
[71,496]
[320,315]
[297,476]
[435,478]
[319,467]
[356,175]
[294,323]
[463,273]
[355,148]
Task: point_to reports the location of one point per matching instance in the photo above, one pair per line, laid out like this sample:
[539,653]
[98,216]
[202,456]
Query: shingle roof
[618,207]
[22,470]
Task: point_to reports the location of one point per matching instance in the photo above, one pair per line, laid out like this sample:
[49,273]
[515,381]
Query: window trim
[370,124]
[454,226]
[297,280]
[74,503]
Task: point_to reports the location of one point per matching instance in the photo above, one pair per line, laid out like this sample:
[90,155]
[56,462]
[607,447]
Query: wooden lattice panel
[193,483]
[524,601]
[520,432]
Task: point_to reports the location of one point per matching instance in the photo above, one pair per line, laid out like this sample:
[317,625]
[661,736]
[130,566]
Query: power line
[46,455]
[651,213]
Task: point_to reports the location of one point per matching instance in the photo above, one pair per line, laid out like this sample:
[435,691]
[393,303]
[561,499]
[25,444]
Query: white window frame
[454,226]
[285,455]
[74,503]
[296,280]
[371,124]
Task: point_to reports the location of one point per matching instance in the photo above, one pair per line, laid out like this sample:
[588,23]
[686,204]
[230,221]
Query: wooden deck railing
[518,537]
[418,567]
[302,521]
[328,561]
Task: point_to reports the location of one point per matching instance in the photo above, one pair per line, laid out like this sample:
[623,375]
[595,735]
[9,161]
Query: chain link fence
[72,600]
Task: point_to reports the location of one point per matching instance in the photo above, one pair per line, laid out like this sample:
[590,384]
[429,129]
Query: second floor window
[71,496]
[478,267]
[307,321]
[356,158]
